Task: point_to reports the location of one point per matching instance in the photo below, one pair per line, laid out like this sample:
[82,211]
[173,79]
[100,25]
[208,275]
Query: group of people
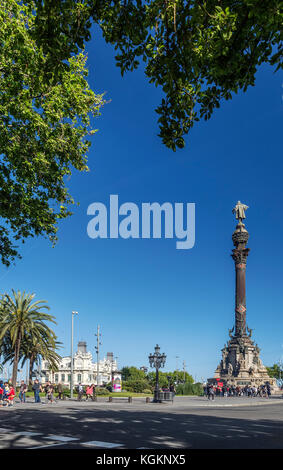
[7,393]
[210,391]
[48,389]
[89,391]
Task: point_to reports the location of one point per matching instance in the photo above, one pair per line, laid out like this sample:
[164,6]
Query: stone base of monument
[241,364]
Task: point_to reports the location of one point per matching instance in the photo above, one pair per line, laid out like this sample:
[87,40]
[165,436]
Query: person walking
[80,391]
[1,392]
[211,392]
[23,390]
[11,395]
[50,393]
[89,392]
[172,389]
[36,390]
[60,390]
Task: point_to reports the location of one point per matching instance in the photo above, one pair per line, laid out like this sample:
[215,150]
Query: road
[188,423]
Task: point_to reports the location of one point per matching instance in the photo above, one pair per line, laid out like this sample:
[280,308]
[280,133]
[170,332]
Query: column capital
[240,257]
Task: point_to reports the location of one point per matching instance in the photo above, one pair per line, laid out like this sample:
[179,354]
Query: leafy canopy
[198,51]
[45,110]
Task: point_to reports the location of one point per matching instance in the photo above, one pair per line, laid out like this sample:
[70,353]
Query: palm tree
[19,318]
[44,347]
[34,348]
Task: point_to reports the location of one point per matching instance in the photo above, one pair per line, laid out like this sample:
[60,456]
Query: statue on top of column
[239,210]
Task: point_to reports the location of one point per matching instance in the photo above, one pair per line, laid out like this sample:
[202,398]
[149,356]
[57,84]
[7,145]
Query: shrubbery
[102,391]
[137,386]
[189,389]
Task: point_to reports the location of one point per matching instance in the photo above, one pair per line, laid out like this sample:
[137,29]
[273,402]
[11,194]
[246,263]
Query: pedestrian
[46,389]
[89,392]
[23,390]
[211,392]
[1,392]
[60,390]
[11,395]
[80,391]
[205,390]
[6,391]
[36,389]
[50,392]
[172,389]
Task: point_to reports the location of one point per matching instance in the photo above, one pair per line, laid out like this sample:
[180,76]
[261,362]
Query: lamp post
[98,343]
[72,356]
[157,360]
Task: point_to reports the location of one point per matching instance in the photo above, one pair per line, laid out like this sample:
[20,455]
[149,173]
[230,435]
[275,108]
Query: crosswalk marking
[46,445]
[101,444]
[54,437]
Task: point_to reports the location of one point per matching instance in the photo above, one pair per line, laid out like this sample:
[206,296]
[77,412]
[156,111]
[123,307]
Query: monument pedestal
[241,364]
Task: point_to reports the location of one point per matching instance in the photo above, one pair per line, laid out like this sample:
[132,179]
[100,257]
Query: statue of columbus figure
[239,210]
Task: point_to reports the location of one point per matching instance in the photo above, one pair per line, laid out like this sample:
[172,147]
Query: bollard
[147,400]
[95,398]
[110,399]
[130,399]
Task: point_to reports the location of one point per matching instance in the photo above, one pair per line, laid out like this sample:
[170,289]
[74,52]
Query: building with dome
[85,371]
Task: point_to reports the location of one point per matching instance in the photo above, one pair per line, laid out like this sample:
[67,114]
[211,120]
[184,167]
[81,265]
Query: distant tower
[110,356]
[241,364]
[82,347]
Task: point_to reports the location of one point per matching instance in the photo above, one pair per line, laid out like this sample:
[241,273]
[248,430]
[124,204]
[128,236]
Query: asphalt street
[188,423]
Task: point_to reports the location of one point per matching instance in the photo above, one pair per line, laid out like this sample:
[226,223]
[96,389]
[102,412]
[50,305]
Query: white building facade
[85,371]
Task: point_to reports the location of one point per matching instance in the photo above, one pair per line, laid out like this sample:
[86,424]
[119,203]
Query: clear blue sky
[145,291]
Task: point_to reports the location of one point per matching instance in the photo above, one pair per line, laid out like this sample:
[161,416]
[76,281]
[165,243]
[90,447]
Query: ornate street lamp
[157,360]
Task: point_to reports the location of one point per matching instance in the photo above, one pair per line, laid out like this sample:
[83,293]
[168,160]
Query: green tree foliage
[20,319]
[136,385]
[45,110]
[164,381]
[189,389]
[275,371]
[198,52]
[36,348]
[132,373]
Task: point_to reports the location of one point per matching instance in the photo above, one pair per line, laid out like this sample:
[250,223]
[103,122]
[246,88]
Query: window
[56,378]
[63,377]
[69,377]
[79,377]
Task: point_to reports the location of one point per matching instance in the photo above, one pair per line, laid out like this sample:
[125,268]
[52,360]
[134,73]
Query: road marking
[4,430]
[27,433]
[54,437]
[101,444]
[47,445]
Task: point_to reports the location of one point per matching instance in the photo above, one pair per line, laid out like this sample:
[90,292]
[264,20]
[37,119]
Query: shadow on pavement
[149,429]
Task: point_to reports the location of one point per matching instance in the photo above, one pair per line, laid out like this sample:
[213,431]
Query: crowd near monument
[241,364]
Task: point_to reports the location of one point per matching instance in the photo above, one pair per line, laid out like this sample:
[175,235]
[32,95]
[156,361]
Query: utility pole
[177,357]
[98,343]
[184,369]
[72,356]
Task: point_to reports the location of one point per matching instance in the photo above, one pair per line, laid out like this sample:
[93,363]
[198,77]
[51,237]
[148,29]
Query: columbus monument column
[241,364]
[240,253]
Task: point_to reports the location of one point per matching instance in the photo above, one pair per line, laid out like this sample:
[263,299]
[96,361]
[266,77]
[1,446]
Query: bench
[130,399]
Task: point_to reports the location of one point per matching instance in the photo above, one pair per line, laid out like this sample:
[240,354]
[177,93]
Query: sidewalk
[179,402]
